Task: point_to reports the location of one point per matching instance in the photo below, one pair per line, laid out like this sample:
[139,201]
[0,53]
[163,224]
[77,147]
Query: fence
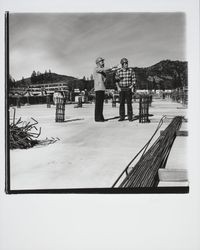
[22,100]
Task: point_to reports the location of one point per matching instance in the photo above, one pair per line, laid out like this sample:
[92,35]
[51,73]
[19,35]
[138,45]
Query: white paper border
[148,221]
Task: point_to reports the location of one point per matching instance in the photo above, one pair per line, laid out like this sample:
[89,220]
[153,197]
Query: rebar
[145,172]
[142,151]
[144,103]
[60,109]
[22,134]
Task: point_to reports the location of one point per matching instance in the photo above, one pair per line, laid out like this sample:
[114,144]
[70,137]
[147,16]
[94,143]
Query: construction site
[58,145]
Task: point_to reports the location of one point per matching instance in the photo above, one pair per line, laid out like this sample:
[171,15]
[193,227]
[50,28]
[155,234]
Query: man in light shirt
[99,75]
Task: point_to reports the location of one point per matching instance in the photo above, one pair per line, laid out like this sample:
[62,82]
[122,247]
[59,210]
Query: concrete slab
[88,154]
[166,174]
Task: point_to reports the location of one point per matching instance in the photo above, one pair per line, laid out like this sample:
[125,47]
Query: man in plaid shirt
[125,81]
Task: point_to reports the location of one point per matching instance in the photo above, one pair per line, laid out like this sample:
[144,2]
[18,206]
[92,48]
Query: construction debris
[23,134]
[48,141]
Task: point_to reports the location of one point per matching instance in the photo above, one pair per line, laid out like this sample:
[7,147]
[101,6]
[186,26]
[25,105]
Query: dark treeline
[163,75]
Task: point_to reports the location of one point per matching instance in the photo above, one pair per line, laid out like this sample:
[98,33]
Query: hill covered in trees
[164,75]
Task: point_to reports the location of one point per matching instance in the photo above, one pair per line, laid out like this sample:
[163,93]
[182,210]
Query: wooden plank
[168,175]
[173,184]
[178,133]
[182,133]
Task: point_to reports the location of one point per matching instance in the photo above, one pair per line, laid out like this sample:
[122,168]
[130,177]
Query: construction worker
[125,82]
[99,75]
[58,96]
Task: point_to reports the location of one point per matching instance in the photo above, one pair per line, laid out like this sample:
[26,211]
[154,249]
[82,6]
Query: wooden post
[114,102]
[48,101]
[80,102]
[18,102]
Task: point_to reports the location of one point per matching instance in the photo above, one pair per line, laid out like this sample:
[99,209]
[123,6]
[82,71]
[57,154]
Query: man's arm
[117,78]
[133,80]
[102,70]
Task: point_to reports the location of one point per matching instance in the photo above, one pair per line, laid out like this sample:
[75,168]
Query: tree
[50,76]
[33,77]
[11,81]
[154,84]
[23,81]
[178,76]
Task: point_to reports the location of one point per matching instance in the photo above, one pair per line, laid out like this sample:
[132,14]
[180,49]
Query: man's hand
[116,66]
[134,87]
[119,89]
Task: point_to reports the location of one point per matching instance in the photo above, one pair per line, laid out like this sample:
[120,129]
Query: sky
[69,43]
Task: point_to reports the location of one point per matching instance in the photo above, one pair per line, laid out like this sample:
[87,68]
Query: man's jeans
[125,95]
[99,105]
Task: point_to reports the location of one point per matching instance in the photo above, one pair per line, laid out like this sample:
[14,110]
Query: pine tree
[50,76]
[11,81]
[33,77]
[23,81]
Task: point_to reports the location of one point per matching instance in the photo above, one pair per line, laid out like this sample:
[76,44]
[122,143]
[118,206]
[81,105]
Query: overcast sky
[69,43]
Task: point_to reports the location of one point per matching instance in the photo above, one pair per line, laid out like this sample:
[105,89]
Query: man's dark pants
[125,95]
[99,105]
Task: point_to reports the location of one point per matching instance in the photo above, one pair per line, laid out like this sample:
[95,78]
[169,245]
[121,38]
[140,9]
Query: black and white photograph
[99,125]
[97,102]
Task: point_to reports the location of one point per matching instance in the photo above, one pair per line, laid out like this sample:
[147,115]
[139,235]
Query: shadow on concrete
[73,120]
[135,117]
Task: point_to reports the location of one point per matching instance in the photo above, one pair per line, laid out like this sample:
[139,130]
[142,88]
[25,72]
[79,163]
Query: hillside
[164,75]
[45,78]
